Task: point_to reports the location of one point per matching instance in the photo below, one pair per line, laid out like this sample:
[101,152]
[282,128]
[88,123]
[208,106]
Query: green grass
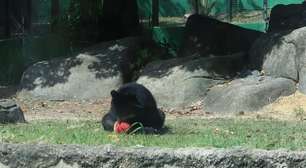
[220,133]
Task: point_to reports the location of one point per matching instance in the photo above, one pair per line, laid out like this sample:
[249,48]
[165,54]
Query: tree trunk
[28,15]
[84,10]
[55,13]
[155,12]
[266,13]
[120,19]
[7,19]
[230,10]
[196,6]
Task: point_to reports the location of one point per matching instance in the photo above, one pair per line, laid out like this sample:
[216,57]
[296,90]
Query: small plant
[81,15]
[171,49]
[143,55]
[300,113]
[206,7]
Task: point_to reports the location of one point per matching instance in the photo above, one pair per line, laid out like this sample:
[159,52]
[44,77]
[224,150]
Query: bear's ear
[114,94]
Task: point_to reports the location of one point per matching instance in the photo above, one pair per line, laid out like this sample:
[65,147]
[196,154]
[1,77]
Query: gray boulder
[10,112]
[92,74]
[178,83]
[275,55]
[247,94]
[282,54]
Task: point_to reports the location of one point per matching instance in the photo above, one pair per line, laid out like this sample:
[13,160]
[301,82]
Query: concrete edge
[67,156]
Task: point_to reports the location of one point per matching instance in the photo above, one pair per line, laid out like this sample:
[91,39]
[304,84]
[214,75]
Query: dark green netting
[181,7]
[16,54]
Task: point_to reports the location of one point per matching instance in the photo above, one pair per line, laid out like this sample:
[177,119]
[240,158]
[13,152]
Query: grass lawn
[221,133]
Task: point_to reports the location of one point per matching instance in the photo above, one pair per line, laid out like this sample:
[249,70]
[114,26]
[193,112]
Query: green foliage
[143,56]
[171,49]
[149,52]
[220,133]
[80,15]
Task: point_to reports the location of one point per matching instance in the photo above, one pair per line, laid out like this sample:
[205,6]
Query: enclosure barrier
[68,156]
[25,40]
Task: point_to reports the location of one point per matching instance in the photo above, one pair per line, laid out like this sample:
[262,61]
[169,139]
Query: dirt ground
[285,108]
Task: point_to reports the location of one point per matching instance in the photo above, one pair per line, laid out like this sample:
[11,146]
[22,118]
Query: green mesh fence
[181,7]
[170,34]
[41,10]
[275,2]
[18,53]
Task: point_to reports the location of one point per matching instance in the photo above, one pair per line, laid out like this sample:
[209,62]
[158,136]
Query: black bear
[133,103]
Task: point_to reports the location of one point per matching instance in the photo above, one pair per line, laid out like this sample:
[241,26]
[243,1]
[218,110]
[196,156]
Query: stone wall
[72,156]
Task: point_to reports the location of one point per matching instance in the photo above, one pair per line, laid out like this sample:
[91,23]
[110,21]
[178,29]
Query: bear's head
[126,106]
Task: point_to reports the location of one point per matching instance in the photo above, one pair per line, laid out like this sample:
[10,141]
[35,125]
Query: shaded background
[35,30]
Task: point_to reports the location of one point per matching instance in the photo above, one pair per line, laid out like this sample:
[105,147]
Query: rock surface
[287,17]
[71,156]
[89,75]
[276,54]
[10,112]
[178,83]
[247,94]
[282,54]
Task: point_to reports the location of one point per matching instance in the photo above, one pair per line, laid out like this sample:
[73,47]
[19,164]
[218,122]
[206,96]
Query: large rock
[178,83]
[287,17]
[247,94]
[282,54]
[91,74]
[10,112]
[276,55]
[72,156]
[204,35]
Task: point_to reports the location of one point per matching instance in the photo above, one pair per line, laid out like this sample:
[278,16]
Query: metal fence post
[230,10]
[266,14]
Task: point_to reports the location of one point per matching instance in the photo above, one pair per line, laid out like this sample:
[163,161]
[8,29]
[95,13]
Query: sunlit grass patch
[221,133]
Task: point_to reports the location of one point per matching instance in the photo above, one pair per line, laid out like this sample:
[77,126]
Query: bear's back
[143,95]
